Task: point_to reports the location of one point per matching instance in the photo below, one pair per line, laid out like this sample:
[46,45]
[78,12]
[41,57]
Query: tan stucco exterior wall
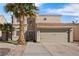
[40,19]
[49,19]
[76,33]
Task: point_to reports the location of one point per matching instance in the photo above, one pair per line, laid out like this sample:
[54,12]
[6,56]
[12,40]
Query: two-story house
[2,21]
[47,28]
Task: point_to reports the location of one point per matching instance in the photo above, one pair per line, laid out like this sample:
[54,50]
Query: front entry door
[31,36]
[31,29]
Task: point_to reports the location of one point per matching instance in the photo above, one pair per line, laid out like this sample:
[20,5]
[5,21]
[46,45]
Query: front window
[17,33]
[30,25]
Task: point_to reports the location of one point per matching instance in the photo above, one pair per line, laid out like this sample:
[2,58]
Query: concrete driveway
[35,49]
[51,49]
[62,49]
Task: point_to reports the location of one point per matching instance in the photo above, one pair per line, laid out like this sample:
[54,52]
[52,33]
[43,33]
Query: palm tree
[21,10]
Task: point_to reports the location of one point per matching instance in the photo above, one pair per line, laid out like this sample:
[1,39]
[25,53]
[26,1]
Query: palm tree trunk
[21,39]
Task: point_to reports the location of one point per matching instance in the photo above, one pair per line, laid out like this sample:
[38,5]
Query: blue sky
[5,14]
[69,12]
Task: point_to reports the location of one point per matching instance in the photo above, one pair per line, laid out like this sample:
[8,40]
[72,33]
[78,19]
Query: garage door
[53,36]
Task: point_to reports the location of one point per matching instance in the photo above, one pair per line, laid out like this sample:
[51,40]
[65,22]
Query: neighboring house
[47,28]
[2,21]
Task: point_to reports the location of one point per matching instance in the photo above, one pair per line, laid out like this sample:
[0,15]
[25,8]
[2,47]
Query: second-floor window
[18,20]
[17,33]
[30,24]
[45,18]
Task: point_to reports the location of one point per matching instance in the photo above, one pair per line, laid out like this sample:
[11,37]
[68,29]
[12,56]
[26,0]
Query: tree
[6,30]
[21,10]
[1,25]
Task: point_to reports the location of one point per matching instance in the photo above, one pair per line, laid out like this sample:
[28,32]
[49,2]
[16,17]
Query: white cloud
[71,9]
[38,4]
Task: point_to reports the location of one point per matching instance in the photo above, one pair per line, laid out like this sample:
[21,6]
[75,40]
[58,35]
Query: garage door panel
[53,36]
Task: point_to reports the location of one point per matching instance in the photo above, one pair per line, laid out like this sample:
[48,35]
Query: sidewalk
[7,49]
